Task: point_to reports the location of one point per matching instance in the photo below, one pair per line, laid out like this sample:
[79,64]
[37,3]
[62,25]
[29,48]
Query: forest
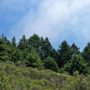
[34,64]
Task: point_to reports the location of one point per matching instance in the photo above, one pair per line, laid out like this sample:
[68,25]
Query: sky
[56,19]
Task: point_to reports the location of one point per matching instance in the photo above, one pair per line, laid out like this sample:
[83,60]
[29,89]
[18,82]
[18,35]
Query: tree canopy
[38,52]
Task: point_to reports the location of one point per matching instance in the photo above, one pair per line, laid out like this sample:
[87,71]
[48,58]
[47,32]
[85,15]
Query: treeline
[37,52]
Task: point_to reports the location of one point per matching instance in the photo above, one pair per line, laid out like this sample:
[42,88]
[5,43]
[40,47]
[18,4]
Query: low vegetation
[13,77]
[33,64]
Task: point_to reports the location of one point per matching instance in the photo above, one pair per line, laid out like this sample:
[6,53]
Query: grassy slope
[22,78]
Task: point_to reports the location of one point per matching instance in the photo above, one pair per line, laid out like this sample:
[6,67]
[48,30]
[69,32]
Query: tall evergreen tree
[17,57]
[36,48]
[23,44]
[54,54]
[34,42]
[46,49]
[74,49]
[76,63]
[13,42]
[50,63]
[63,54]
[33,60]
[4,56]
[86,53]
[3,37]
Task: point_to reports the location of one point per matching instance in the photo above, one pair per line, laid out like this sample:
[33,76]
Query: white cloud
[52,16]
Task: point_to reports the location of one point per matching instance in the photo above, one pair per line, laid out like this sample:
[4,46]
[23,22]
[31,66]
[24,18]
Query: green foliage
[77,63]
[37,52]
[86,53]
[64,54]
[74,49]
[34,42]
[22,78]
[23,44]
[13,42]
[4,56]
[33,60]
[16,56]
[46,49]
[49,63]
[33,64]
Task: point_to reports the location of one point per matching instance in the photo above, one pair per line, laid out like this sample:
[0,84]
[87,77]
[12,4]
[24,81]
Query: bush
[13,77]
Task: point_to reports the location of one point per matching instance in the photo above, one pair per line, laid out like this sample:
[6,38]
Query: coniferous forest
[34,64]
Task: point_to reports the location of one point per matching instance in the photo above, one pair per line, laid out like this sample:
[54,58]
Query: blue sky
[56,19]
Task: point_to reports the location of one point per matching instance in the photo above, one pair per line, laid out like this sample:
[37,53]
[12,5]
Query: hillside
[33,64]
[21,78]
[44,44]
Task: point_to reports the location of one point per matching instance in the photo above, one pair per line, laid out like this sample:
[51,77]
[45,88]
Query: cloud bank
[57,19]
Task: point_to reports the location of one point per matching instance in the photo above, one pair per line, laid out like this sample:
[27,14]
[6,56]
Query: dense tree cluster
[37,52]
